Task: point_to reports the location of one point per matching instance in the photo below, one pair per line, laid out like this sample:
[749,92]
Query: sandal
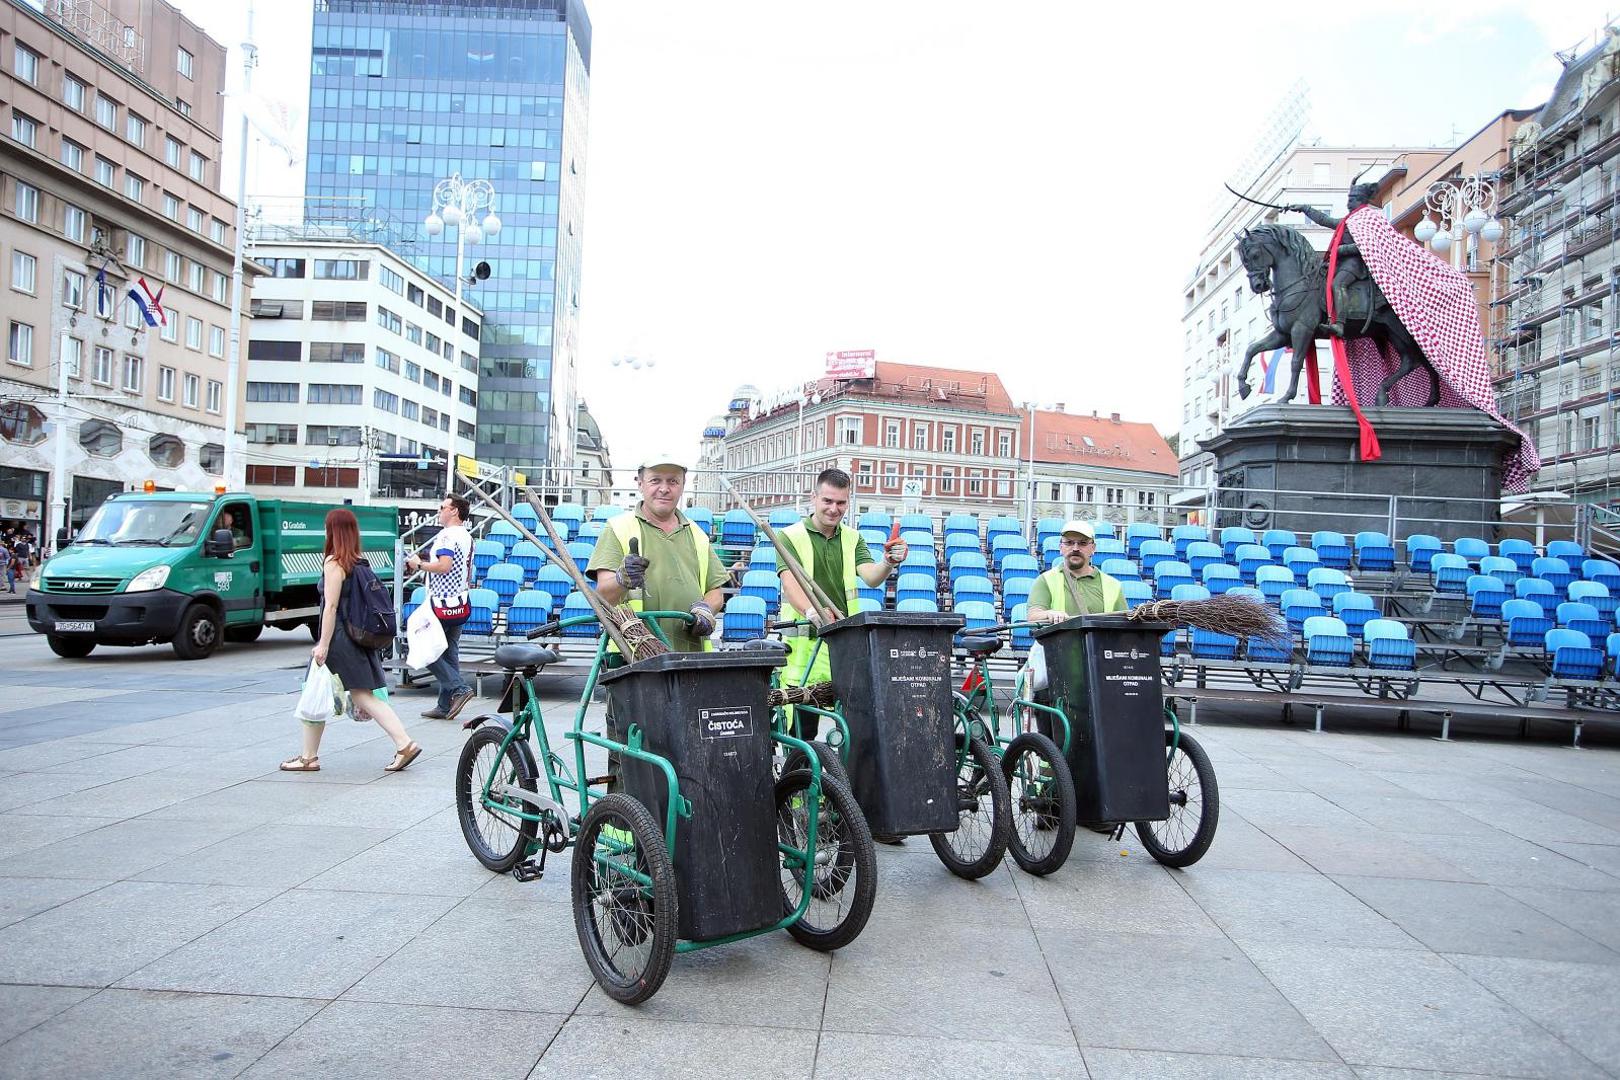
[302,764]
[403,757]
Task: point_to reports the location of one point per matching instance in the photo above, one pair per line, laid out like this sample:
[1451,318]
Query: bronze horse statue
[1281,261]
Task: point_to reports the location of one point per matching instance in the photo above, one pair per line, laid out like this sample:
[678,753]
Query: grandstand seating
[580,552]
[1471,548]
[1184,536]
[1553,571]
[1234,537]
[574,606]
[1001,525]
[1420,549]
[1332,549]
[1107,548]
[1327,642]
[486,553]
[1136,592]
[1566,550]
[606,512]
[977,613]
[1220,578]
[875,519]
[504,534]
[1525,622]
[874,538]
[1574,615]
[1123,569]
[1355,610]
[1202,553]
[960,544]
[1374,552]
[917,603]
[1273,581]
[1278,541]
[589,531]
[783,516]
[1573,656]
[1502,568]
[568,517]
[917,587]
[967,564]
[1598,594]
[864,603]
[745,618]
[1522,552]
[527,556]
[1103,529]
[763,558]
[1486,596]
[702,517]
[1249,558]
[969,589]
[1019,566]
[1542,592]
[1449,572]
[1299,605]
[737,529]
[964,523]
[1047,528]
[1014,594]
[485,603]
[763,584]
[1151,553]
[555,581]
[1389,645]
[1301,561]
[530,608]
[1022,637]
[1007,544]
[1138,533]
[1171,575]
[504,579]
[1327,582]
[1601,570]
[417,597]
[524,515]
[863,591]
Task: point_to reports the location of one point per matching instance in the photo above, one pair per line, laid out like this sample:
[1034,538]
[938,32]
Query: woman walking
[360,668]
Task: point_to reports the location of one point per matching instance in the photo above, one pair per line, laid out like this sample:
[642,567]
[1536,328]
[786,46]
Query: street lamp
[1465,207]
[456,203]
[814,399]
[1029,474]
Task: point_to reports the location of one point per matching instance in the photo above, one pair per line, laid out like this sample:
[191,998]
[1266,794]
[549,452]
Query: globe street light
[814,398]
[1465,207]
[456,202]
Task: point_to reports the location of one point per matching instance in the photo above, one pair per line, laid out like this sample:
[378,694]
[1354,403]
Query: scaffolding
[1555,312]
[93,24]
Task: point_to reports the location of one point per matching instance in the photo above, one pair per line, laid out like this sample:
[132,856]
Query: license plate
[75,626]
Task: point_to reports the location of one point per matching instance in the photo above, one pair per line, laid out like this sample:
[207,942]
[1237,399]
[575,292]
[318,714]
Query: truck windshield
[162,523]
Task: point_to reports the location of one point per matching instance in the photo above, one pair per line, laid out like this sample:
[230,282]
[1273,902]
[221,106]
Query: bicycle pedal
[599,781]
[529,870]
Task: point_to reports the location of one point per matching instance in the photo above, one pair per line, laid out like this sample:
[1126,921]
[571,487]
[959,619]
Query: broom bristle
[637,634]
[1242,617]
[819,695]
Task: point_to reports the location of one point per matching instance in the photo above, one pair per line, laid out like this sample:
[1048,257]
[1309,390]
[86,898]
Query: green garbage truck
[192,570]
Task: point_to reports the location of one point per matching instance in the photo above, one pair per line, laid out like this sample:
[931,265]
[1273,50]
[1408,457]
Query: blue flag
[1271,364]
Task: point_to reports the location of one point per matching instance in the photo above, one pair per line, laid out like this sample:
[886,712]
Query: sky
[1020,187]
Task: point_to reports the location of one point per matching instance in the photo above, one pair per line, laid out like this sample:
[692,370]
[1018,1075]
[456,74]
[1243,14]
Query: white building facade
[357,366]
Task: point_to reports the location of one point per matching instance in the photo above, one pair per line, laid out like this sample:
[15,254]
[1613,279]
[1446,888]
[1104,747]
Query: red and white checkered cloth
[1436,303]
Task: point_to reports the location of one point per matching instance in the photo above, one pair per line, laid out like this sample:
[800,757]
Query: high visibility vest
[627,527]
[1113,595]
[797,536]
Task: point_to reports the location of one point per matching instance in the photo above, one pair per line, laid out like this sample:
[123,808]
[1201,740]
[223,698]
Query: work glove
[894,552]
[633,571]
[703,615]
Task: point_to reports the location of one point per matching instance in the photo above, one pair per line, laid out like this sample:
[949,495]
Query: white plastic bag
[1037,667]
[315,703]
[424,638]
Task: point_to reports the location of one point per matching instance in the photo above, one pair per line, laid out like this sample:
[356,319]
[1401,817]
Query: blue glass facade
[403,95]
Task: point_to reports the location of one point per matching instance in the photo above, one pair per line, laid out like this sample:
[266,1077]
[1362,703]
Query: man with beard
[1074,586]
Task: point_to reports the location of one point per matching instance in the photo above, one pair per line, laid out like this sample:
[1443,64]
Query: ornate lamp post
[1465,207]
[457,202]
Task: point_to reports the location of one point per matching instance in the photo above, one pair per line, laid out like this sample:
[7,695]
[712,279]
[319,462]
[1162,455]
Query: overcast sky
[1020,186]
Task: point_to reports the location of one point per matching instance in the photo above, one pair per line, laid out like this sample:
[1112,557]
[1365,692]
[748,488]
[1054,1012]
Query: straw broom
[1241,617]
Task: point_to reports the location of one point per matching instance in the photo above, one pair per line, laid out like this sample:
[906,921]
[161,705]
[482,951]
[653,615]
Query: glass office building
[403,93]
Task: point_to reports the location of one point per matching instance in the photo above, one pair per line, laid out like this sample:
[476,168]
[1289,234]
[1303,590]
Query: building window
[387,361]
[337,352]
[174,267]
[332,435]
[73,290]
[198,280]
[849,430]
[183,62]
[409,410]
[216,231]
[134,374]
[272,475]
[390,280]
[165,385]
[135,129]
[333,394]
[1004,444]
[388,320]
[385,401]
[285,393]
[947,481]
[134,186]
[183,106]
[171,151]
[211,456]
[919,435]
[170,331]
[135,252]
[338,311]
[220,284]
[978,444]
[101,372]
[20,344]
[279,351]
[197,167]
[891,434]
[101,438]
[24,272]
[216,395]
[27,204]
[73,93]
[25,130]
[106,172]
[106,113]
[330,477]
[342,269]
[216,341]
[947,440]
[190,387]
[285,268]
[194,222]
[415,295]
[25,63]
[73,155]
[272,434]
[975,485]
[74,222]
[166,450]
[1591,432]
[171,207]
[891,476]
[194,329]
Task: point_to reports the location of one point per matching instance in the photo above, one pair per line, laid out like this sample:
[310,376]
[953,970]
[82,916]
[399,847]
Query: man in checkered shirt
[449,582]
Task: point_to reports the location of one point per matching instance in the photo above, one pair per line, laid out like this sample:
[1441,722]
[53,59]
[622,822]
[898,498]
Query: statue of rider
[1350,269]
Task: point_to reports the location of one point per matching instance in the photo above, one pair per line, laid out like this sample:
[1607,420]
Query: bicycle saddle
[515,656]
[980,646]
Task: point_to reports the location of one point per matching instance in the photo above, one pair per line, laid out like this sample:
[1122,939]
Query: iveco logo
[77,584]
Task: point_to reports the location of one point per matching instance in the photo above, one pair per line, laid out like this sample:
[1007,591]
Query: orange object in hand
[894,532]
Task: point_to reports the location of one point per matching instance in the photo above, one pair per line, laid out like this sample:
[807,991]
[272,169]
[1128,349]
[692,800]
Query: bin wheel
[831,764]
[498,840]
[1043,804]
[843,881]
[984,820]
[1195,807]
[626,928]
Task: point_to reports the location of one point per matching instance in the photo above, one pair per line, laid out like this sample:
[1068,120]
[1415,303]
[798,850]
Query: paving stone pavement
[1376,905]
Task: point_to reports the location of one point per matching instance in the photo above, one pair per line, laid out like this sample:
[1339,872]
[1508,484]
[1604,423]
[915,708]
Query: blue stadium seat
[1266,651]
[527,556]
[916,523]
[1299,605]
[1327,582]
[486,553]
[1420,548]
[745,617]
[1389,645]
[917,603]
[1047,527]
[524,515]
[783,516]
[1056,557]
[1601,570]
[703,518]
[1136,592]
[1568,550]
[1202,553]
[1327,642]
[763,558]
[864,603]
[1006,544]
[875,519]
[969,589]
[485,602]
[1501,568]
[530,608]
[1614,653]
[964,523]
[1331,548]
[606,512]
[1185,535]
[1374,552]
[1300,561]
[1471,548]
[1573,655]
[978,614]
[1522,552]
[1022,637]
[416,599]
[504,579]
[878,596]
[1250,557]
[1273,581]
[1104,530]
[1219,578]
[1598,594]
[1019,566]
[1449,572]
[568,517]
[1136,534]
[503,534]
[1107,548]
[590,531]
[575,605]
[580,552]
[968,564]
[1525,622]
[763,584]
[1211,645]
[1541,592]
[875,538]
[916,587]
[1234,537]
[914,539]
[1170,575]
[1014,594]
[1355,610]
[555,581]
[1001,525]
[737,529]
[1278,541]
[1151,553]
[960,544]
[1123,569]
[1486,595]
[1574,615]
[1554,571]
[920,560]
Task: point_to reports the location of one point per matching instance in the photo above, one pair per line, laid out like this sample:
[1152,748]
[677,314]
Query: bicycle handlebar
[557,625]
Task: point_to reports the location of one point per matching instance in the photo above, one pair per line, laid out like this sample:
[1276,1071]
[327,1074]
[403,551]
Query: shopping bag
[424,638]
[315,702]
[1036,665]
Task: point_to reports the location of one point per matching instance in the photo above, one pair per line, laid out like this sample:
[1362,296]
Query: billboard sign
[852,364]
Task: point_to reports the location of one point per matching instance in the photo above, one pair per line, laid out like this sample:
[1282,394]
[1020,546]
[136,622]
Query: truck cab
[191,570]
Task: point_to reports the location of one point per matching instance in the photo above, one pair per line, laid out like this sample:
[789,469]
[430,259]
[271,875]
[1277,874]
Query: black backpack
[368,609]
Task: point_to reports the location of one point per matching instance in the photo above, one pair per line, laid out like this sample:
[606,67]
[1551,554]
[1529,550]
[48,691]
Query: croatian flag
[151,305]
[1270,365]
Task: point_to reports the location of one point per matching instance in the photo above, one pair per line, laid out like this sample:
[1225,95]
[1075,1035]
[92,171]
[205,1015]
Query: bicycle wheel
[1043,804]
[1195,807]
[623,889]
[984,815]
[497,837]
[843,873]
[831,764]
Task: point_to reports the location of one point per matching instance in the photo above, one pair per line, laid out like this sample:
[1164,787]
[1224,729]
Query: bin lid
[1114,620]
[946,620]
[730,660]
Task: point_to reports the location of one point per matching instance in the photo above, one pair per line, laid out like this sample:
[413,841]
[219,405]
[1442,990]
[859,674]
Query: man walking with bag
[449,574]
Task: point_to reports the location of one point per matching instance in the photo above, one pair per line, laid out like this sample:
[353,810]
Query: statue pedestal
[1296,467]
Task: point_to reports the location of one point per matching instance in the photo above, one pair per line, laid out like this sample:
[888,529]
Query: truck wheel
[244,634]
[72,648]
[198,634]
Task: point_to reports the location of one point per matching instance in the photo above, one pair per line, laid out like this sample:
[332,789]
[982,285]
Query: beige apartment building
[111,114]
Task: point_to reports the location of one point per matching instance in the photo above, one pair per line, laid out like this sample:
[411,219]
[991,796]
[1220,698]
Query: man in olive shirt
[675,567]
[1074,586]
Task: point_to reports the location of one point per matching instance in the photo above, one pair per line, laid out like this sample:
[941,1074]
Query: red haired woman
[360,668]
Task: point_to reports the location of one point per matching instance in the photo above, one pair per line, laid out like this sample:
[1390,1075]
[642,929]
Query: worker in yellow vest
[1074,586]
[836,558]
